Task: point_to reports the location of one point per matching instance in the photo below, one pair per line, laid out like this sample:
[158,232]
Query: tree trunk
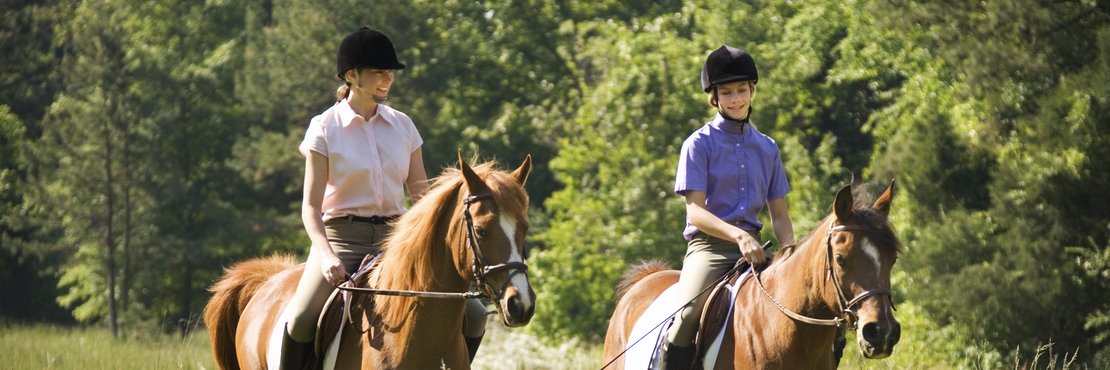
[109,238]
[125,249]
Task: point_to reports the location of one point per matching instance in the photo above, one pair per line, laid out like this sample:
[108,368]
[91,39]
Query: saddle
[337,310]
[715,313]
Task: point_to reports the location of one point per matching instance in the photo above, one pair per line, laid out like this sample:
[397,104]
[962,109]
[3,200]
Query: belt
[377,220]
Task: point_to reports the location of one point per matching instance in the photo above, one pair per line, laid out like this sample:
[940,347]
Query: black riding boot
[672,357]
[296,355]
[472,344]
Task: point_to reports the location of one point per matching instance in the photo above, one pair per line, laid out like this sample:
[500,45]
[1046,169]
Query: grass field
[52,347]
[923,346]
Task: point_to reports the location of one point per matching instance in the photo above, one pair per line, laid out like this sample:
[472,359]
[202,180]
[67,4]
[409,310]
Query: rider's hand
[333,270]
[752,251]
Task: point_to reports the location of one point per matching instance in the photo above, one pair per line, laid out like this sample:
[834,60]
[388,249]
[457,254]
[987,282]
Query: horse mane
[636,273]
[875,225]
[412,251]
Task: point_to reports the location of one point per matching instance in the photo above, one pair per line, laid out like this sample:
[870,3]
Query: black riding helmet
[727,64]
[366,48]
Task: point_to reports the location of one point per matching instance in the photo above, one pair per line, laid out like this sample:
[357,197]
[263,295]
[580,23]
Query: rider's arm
[780,220]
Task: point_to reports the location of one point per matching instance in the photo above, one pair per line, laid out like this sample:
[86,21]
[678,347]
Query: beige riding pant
[351,241]
[707,259]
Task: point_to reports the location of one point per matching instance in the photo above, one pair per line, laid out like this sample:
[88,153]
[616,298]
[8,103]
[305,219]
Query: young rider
[728,171]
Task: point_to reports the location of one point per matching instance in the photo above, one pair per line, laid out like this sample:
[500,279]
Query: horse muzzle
[517,306]
[877,338]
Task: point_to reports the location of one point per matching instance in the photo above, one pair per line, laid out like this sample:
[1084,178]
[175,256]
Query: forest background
[144,146]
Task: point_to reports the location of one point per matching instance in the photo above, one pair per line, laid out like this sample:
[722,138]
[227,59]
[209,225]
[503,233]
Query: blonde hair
[342,92]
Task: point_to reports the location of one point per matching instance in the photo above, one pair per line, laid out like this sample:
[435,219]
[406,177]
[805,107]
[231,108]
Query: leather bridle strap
[794,315]
[410,293]
[846,306]
[478,262]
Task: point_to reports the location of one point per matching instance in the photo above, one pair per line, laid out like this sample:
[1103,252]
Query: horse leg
[838,346]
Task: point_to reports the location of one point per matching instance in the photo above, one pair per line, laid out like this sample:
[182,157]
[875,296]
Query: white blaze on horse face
[872,252]
[520,281]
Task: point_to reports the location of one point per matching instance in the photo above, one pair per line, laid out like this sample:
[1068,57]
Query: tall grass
[53,347]
[924,345]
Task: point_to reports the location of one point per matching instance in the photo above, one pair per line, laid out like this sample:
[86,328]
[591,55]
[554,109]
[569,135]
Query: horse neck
[428,321]
[437,269]
[805,267]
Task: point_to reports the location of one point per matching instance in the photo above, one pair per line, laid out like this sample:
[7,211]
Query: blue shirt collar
[728,125]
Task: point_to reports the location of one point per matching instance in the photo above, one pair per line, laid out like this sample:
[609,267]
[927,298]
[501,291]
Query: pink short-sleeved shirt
[368,160]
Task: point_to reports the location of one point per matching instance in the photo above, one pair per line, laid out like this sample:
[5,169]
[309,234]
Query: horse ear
[842,207]
[474,184]
[883,203]
[521,173]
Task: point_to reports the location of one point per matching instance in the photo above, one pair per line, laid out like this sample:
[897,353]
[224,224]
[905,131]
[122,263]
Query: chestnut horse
[787,316]
[469,227]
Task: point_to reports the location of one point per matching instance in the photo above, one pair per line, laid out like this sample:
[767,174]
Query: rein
[478,260]
[846,306]
[478,264]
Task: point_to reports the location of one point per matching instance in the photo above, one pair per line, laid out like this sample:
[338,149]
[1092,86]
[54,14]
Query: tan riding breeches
[707,258]
[351,241]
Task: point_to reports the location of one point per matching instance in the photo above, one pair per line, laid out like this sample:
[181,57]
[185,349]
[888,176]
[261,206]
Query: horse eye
[840,260]
[481,233]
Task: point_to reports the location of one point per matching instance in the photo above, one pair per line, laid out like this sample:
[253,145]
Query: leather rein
[478,264]
[847,315]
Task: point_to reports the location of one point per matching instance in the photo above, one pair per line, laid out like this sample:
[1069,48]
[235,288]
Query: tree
[992,131]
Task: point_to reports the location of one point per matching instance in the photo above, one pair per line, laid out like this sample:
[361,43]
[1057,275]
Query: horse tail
[637,273]
[229,298]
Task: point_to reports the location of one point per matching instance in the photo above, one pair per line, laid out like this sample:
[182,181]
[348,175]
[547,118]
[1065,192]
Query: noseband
[847,315]
[478,263]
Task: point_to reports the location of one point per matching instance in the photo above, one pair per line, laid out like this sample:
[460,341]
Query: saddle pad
[651,326]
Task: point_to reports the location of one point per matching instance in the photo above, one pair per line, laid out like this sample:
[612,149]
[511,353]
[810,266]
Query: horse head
[495,222]
[861,251]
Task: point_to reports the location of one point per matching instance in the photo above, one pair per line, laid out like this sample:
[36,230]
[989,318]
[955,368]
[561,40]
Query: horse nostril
[871,332]
[516,307]
[895,334]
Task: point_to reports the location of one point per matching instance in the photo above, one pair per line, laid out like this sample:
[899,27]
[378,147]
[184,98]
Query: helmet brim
[398,65]
[727,79]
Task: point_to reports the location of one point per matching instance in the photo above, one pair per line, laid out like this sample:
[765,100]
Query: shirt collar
[347,115]
[728,125]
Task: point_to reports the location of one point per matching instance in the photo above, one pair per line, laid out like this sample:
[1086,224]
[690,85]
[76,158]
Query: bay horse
[787,316]
[468,228]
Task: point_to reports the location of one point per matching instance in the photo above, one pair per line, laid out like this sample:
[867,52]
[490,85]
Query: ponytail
[342,92]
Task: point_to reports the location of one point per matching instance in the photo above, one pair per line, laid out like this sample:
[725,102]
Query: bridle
[846,310]
[477,262]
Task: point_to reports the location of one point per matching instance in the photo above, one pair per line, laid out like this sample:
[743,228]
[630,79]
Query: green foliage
[176,123]
[12,133]
[616,208]
[989,141]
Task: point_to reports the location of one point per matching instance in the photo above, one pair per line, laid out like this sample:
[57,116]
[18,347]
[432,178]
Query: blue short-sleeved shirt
[738,168]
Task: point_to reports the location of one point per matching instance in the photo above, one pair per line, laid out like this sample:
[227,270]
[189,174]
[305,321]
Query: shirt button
[742,166]
[743,188]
